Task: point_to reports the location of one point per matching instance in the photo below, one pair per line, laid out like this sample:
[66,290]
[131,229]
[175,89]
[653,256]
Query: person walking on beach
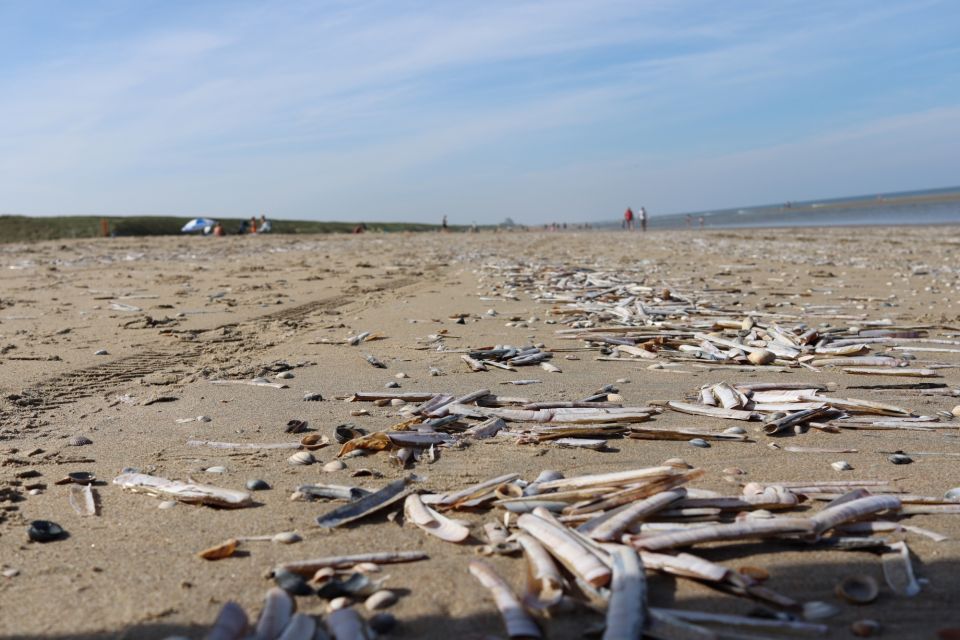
[701,222]
[443,225]
[628,219]
[643,219]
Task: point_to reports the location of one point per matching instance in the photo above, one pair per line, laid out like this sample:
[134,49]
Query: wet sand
[174,313]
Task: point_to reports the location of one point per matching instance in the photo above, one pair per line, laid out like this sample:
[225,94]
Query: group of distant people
[253,226]
[628,219]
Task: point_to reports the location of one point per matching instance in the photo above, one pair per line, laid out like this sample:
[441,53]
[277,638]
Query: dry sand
[236,305]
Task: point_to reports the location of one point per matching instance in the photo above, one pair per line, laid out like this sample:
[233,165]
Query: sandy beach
[173,314]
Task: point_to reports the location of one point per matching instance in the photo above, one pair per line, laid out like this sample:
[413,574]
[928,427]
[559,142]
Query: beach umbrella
[197,224]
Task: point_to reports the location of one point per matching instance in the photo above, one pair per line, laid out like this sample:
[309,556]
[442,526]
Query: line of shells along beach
[670,435]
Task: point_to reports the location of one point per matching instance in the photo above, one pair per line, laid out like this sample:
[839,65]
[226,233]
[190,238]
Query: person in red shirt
[628,219]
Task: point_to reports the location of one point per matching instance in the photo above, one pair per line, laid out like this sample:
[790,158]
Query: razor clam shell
[346,624]
[745,530]
[451,500]
[846,511]
[544,582]
[277,610]
[366,505]
[333,491]
[82,500]
[611,524]
[612,479]
[231,623]
[516,620]
[714,412]
[626,613]
[309,567]
[433,522]
[898,570]
[773,625]
[190,493]
[565,546]
[301,627]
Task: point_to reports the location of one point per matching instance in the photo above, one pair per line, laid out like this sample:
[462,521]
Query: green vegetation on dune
[27,229]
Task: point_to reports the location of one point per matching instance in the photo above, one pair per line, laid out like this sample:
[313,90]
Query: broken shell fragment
[858,589]
[953,494]
[312,397]
[841,465]
[223,550]
[302,458]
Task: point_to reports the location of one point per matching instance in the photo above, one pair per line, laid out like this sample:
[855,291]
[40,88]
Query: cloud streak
[537,110]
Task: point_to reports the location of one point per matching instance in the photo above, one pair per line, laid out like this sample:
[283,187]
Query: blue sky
[541,111]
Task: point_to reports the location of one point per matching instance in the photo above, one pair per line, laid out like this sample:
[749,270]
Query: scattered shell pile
[589,539]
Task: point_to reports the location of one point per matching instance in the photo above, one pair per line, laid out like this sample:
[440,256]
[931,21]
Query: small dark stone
[383,622]
[460,320]
[292,583]
[392,385]
[44,531]
[257,485]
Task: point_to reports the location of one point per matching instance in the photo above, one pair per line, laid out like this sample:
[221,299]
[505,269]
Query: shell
[865,628]
[44,531]
[334,465]
[953,494]
[432,522]
[900,458]
[700,442]
[223,550]
[292,583]
[734,471]
[231,623]
[858,589]
[346,432]
[81,477]
[841,465]
[216,469]
[302,458]
[312,396]
[300,627]
[79,441]
[314,441]
[257,485]
[735,431]
[285,375]
[761,357]
[677,463]
[286,537]
[382,599]
[295,426]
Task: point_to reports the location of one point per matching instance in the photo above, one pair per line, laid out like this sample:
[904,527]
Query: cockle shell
[302,458]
